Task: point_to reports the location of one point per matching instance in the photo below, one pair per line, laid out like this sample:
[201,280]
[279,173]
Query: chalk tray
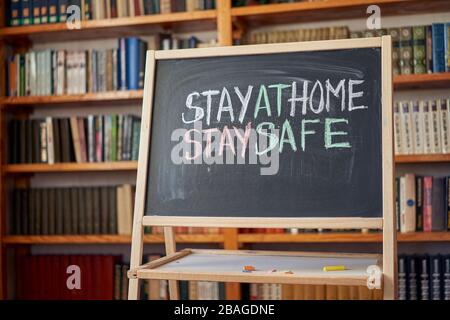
[270,267]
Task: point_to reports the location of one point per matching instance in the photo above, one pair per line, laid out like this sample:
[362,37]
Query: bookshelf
[341,237]
[109,239]
[71,167]
[105,97]
[422,81]
[226,21]
[242,239]
[423,158]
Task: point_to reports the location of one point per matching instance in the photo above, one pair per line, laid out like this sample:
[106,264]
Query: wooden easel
[164,268]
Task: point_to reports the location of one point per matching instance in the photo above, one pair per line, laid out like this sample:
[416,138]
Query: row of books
[422,203]
[417,49]
[95,138]
[28,12]
[71,211]
[314,34]
[100,277]
[66,277]
[424,277]
[264,291]
[422,127]
[58,72]
[183,230]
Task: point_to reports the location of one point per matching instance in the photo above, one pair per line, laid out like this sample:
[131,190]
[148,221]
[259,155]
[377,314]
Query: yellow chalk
[334,268]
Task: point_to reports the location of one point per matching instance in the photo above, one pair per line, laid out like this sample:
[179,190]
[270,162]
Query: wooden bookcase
[229,23]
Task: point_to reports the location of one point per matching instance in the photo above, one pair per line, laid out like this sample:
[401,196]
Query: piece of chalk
[249,268]
[334,268]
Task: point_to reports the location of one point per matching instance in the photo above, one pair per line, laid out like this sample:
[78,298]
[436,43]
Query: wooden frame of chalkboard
[386,222]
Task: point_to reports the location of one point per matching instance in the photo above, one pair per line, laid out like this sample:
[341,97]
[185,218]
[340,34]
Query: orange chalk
[249,268]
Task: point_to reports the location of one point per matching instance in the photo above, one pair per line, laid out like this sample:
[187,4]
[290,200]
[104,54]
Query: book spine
[427,203]
[406,125]
[424,279]
[98,138]
[438,47]
[439,204]
[447,46]
[436,278]
[50,145]
[16,18]
[27,12]
[435,127]
[417,122]
[419,203]
[113,142]
[402,289]
[53,11]
[122,65]
[395,35]
[447,220]
[406,50]
[419,49]
[444,121]
[91,138]
[446,271]
[427,130]
[132,63]
[44,11]
[135,141]
[62,10]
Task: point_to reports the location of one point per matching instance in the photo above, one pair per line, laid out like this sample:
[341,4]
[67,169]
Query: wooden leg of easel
[389,219]
[133,289]
[137,244]
[171,247]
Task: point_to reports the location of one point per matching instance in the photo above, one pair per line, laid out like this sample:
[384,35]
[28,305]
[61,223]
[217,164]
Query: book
[438,47]
[436,278]
[412,278]
[406,131]
[407,204]
[406,50]
[132,62]
[419,203]
[419,49]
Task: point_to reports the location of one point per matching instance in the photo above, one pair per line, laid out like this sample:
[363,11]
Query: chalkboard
[318,112]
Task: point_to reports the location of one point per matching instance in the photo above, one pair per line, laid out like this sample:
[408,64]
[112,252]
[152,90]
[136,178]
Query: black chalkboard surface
[320,115]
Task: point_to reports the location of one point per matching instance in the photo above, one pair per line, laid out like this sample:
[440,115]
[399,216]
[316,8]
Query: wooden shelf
[111,96]
[422,81]
[132,165]
[71,167]
[422,158]
[354,237]
[109,239]
[336,237]
[113,28]
[260,15]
